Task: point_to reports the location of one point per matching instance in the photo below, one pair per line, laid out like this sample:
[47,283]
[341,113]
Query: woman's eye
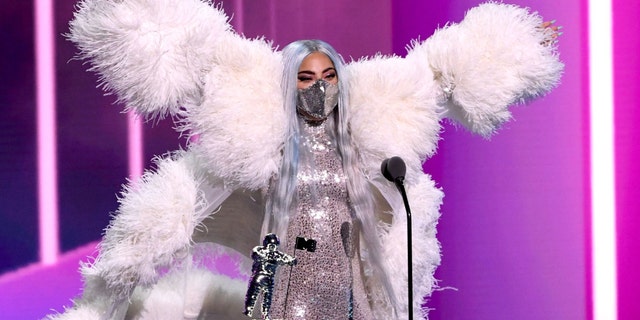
[303,79]
[330,77]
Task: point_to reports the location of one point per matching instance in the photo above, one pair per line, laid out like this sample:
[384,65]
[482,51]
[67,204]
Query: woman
[315,172]
[321,179]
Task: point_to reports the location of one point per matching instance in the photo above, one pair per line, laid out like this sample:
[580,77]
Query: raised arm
[499,55]
[181,57]
[156,55]
[471,72]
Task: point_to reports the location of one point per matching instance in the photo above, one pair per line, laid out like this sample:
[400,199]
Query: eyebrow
[312,73]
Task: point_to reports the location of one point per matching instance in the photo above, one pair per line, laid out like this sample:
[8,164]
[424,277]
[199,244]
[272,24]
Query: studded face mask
[316,102]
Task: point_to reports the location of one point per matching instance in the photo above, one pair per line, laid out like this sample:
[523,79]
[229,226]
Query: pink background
[626,44]
[516,219]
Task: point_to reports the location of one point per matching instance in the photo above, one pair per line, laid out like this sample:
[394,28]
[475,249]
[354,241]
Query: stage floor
[35,291]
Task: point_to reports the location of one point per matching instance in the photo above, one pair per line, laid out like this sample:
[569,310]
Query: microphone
[394,170]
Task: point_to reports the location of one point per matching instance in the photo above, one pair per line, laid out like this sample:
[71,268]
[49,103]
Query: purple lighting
[46,101]
[602,162]
[135,146]
[520,236]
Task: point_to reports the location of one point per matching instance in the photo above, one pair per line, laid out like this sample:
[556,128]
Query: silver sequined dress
[325,284]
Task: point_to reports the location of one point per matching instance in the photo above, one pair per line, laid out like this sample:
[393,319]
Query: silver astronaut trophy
[266,259]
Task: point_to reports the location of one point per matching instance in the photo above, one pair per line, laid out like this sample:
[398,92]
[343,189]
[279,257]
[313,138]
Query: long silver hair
[283,189]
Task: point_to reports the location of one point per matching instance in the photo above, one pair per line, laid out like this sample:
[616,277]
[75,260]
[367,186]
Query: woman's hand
[551,32]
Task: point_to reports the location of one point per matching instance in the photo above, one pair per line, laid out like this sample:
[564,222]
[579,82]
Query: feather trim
[181,57]
[190,294]
[425,200]
[393,114]
[181,294]
[152,54]
[494,58]
[152,228]
[240,122]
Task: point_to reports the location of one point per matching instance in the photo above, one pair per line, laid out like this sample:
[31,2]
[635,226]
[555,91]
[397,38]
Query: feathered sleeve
[155,54]
[182,57]
[497,56]
[392,111]
[152,227]
[150,53]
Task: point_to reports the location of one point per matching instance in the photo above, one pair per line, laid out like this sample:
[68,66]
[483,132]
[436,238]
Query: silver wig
[284,187]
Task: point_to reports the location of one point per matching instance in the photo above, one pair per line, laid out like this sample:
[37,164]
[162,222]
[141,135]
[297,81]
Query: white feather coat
[181,57]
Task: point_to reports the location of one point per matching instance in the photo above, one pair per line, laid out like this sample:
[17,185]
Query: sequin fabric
[316,102]
[322,285]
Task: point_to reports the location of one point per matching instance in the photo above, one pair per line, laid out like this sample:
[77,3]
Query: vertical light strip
[46,134]
[135,146]
[273,22]
[602,160]
[238,16]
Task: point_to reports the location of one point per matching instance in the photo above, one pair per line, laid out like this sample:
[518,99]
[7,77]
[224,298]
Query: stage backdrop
[515,224]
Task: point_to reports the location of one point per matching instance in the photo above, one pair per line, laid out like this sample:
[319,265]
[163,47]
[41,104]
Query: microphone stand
[399,182]
[394,170]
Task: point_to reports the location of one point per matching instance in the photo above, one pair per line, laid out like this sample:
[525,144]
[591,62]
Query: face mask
[316,102]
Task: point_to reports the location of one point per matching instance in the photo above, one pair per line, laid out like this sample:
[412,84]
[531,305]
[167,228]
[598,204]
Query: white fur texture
[494,58]
[82,311]
[425,201]
[182,294]
[190,294]
[153,226]
[393,112]
[181,57]
[425,211]
[151,53]
[239,122]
